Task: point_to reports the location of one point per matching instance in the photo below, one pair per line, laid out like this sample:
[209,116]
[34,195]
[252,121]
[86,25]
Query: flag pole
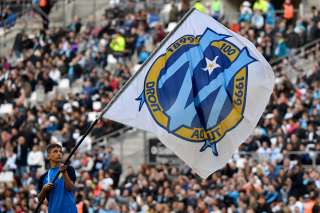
[116,96]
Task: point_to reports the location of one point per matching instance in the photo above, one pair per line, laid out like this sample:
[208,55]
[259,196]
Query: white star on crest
[211,65]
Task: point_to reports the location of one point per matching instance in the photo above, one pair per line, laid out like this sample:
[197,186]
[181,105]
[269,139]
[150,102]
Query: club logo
[197,89]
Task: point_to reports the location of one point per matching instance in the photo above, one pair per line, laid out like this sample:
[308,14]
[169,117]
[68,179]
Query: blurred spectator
[217,10]
[315,14]
[270,15]
[22,155]
[245,12]
[257,20]
[118,45]
[173,15]
[261,5]
[45,6]
[288,12]
[7,17]
[199,6]
[143,55]
[293,40]
[281,48]
[115,170]
[35,160]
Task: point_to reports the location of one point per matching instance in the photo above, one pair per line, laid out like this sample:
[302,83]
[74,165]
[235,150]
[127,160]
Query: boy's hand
[45,189]
[63,168]
[48,187]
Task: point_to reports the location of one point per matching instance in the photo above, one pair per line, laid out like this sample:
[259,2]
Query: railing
[311,48]
[306,158]
[103,140]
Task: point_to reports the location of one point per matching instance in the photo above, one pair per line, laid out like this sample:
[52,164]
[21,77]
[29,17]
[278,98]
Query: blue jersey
[59,199]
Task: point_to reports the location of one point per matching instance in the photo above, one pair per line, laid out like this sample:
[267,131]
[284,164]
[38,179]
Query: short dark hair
[53,145]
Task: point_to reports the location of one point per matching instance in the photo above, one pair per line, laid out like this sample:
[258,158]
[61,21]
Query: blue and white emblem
[197,89]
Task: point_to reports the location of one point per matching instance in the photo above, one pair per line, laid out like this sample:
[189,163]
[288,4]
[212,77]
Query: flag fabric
[201,92]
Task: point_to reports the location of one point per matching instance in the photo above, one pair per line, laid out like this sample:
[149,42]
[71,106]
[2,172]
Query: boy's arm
[68,181]
[47,188]
[43,189]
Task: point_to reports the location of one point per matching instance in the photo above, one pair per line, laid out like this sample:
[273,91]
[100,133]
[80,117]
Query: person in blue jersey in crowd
[58,194]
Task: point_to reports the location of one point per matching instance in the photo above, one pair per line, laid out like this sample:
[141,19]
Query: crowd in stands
[277,36]
[100,56]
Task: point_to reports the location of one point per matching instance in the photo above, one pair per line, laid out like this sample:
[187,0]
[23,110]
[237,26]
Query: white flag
[201,92]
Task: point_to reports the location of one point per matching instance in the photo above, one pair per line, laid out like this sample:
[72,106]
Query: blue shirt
[59,199]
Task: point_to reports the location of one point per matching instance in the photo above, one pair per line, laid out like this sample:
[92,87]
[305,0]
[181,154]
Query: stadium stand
[55,81]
